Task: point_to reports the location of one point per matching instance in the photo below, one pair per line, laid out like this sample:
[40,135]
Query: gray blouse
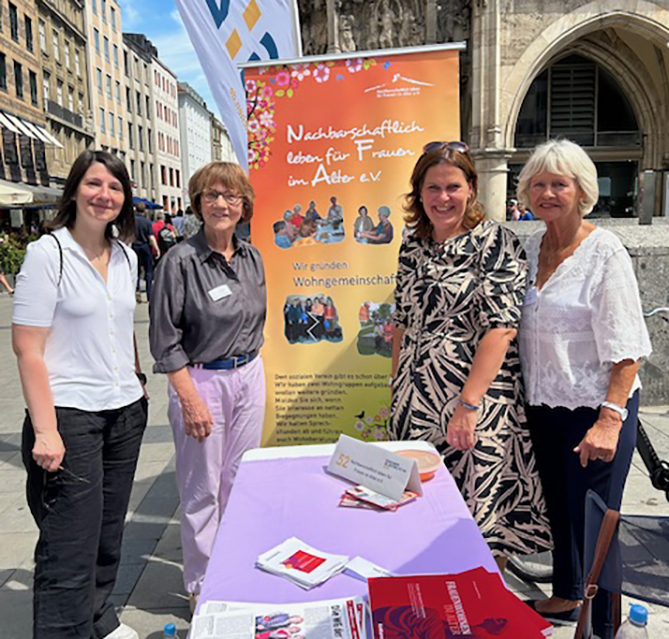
[205,308]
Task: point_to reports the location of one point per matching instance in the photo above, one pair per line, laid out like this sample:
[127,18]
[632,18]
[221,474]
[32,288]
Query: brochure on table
[333,619]
[373,467]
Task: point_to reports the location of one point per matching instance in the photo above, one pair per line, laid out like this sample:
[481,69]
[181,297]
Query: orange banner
[332,144]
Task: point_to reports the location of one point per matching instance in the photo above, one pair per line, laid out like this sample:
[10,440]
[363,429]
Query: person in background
[312,213]
[3,279]
[582,336]
[335,215]
[167,236]
[72,332]
[525,214]
[456,373]
[178,223]
[281,238]
[383,232]
[512,212]
[192,224]
[363,223]
[207,320]
[145,246]
[296,218]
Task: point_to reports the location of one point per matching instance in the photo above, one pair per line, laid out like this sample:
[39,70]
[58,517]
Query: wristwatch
[142,378]
[618,409]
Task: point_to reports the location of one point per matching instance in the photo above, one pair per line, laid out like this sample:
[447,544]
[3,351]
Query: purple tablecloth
[280,498]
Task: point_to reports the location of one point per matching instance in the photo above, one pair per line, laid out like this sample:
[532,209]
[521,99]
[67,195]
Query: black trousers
[555,433]
[145,260]
[80,511]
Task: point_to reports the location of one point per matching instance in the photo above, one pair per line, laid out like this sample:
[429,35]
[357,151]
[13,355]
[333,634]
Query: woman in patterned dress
[456,372]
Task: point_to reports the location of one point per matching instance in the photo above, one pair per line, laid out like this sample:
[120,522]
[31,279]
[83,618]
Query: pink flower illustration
[266,119]
[250,86]
[321,73]
[360,425]
[253,125]
[384,411]
[354,65]
[253,155]
[267,91]
[300,71]
[283,78]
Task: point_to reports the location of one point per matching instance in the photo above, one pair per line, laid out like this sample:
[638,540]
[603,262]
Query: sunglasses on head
[460,147]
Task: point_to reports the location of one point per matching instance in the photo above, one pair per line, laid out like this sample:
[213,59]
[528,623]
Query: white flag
[226,33]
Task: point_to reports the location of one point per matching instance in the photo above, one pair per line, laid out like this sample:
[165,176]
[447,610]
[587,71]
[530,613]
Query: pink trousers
[206,471]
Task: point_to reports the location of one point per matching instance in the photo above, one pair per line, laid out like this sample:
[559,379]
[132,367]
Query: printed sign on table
[332,144]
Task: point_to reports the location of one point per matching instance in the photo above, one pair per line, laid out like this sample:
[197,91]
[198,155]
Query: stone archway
[648,20]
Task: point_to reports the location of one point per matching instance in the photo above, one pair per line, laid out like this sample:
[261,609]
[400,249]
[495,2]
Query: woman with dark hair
[456,372]
[72,332]
[207,319]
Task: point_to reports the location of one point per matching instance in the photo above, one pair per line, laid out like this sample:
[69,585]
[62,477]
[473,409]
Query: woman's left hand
[461,429]
[601,440]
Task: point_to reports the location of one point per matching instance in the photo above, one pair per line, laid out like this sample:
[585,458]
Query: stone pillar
[333,27]
[486,134]
[492,169]
[430,21]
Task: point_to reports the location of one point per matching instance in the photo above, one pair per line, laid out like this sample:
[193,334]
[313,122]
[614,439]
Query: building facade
[195,129]
[168,145]
[22,119]
[64,85]
[139,102]
[221,145]
[596,72]
[105,46]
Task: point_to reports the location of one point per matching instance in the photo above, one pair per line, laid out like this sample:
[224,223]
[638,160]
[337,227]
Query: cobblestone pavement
[149,589]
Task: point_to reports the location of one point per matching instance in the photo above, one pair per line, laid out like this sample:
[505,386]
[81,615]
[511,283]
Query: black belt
[228,363]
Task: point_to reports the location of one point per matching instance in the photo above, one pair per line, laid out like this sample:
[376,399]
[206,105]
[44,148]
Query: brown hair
[308,227]
[67,207]
[417,217]
[231,176]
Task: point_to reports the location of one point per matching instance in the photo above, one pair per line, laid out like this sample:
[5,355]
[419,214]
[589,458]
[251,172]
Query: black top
[205,308]
[143,229]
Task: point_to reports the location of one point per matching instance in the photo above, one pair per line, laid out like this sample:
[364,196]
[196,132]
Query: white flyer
[375,468]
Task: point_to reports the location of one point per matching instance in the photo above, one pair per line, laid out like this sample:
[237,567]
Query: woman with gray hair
[582,334]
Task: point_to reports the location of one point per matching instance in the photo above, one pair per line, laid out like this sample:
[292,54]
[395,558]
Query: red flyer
[472,604]
[303,561]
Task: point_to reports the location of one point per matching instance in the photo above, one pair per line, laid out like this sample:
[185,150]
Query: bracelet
[142,378]
[468,406]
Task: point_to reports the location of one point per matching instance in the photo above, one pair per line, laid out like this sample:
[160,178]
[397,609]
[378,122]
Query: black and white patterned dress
[447,297]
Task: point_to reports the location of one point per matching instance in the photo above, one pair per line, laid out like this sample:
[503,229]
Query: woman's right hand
[48,451]
[197,418]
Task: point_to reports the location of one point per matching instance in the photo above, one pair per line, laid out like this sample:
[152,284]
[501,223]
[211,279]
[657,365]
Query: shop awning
[149,204]
[23,127]
[44,194]
[12,195]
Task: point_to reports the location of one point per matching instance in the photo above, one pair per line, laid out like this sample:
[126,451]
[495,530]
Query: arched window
[577,99]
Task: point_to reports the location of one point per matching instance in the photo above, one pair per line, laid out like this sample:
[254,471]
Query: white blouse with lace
[584,319]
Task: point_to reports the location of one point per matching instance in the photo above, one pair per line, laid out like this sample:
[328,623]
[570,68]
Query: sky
[160,22]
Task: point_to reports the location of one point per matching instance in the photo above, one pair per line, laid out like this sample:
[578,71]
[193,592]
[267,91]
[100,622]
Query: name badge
[220,292]
[531,296]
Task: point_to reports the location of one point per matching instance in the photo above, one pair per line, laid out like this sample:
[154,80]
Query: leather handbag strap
[606,532]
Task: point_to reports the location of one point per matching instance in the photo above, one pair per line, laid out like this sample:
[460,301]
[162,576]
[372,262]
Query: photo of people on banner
[366,232]
[310,319]
[375,336]
[310,228]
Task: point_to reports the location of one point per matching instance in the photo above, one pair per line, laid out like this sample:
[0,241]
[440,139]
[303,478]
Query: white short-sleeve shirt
[586,318]
[89,352]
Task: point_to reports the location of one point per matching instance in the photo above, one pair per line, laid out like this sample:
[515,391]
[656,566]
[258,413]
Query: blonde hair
[561,157]
[229,175]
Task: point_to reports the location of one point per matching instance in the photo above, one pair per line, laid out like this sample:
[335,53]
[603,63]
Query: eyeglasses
[460,147]
[233,199]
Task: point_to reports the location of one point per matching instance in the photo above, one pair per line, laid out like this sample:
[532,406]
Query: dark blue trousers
[555,433]
[80,511]
[145,260]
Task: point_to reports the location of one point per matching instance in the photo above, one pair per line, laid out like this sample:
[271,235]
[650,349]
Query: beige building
[221,146]
[64,85]
[22,117]
[168,146]
[594,71]
[139,103]
[105,59]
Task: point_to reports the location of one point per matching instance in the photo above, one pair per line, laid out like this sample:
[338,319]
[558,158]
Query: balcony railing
[65,114]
